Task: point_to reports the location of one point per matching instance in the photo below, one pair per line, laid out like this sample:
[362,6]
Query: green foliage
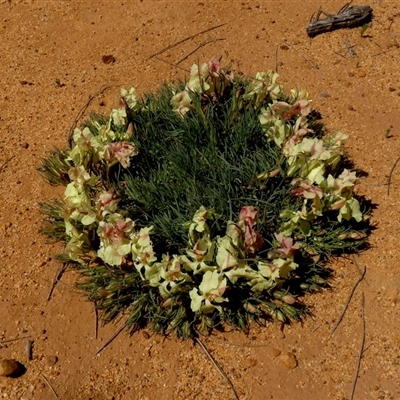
[209,159]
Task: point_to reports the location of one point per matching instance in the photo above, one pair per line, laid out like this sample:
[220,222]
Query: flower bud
[288,299]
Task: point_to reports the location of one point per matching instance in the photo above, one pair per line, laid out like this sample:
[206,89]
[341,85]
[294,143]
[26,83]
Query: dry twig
[13,340]
[96,321]
[171,64]
[7,161]
[360,353]
[350,48]
[390,176]
[197,48]
[49,385]
[116,333]
[347,17]
[305,58]
[236,343]
[220,370]
[84,108]
[358,267]
[59,273]
[29,349]
[347,302]
[171,46]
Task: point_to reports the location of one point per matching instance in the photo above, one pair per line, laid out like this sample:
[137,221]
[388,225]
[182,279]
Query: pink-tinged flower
[337,205]
[144,236]
[214,67]
[248,215]
[107,202]
[118,230]
[252,239]
[199,250]
[301,107]
[306,189]
[120,151]
[129,131]
[317,149]
[288,111]
[107,198]
[288,246]
[146,256]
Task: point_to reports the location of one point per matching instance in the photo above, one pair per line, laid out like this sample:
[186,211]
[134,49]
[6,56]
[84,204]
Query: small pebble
[289,360]
[51,360]
[252,362]
[284,47]
[108,59]
[29,349]
[276,352]
[10,367]
[146,335]
[350,107]
[361,74]
[325,94]
[25,145]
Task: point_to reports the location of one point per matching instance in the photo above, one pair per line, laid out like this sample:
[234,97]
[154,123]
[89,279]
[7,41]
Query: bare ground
[51,62]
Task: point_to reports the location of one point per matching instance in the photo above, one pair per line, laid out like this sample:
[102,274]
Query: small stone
[276,352]
[392,89]
[10,367]
[325,94]
[252,362]
[350,107]
[51,360]
[289,360]
[284,47]
[25,145]
[351,74]
[108,59]
[146,335]
[361,74]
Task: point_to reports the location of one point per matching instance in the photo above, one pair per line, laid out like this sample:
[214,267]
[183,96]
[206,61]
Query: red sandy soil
[51,62]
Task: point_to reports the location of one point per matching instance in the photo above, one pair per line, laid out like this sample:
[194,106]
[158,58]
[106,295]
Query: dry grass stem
[347,302]
[171,46]
[6,162]
[85,107]
[220,370]
[305,58]
[197,48]
[59,273]
[390,176]
[236,343]
[13,340]
[171,64]
[96,321]
[360,353]
[50,386]
[117,332]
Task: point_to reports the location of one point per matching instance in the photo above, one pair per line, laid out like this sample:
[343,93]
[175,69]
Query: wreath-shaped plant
[215,201]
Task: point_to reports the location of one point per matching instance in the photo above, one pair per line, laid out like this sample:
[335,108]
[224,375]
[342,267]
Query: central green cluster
[210,158]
